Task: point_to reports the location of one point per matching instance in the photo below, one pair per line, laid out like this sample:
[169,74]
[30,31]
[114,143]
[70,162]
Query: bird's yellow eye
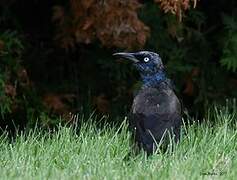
[146,59]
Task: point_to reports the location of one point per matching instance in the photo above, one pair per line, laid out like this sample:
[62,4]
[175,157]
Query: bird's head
[149,64]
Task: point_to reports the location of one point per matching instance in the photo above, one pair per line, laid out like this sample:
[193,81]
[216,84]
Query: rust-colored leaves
[114,22]
[176,7]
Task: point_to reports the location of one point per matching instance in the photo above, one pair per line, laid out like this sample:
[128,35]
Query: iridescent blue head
[148,64]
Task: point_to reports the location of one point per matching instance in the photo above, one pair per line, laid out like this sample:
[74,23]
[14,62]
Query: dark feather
[156,110]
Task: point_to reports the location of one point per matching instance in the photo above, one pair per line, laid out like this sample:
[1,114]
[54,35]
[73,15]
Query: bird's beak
[129,56]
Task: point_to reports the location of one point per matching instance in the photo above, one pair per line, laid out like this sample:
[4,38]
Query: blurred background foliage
[55,56]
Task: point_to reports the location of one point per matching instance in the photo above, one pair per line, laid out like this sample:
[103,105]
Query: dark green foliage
[19,102]
[193,53]
[229,57]
[10,54]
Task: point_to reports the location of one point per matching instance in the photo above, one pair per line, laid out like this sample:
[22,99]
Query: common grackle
[156,110]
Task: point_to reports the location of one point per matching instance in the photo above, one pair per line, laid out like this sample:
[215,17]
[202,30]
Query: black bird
[156,109]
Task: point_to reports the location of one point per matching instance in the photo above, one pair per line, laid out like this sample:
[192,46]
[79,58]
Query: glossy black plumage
[156,109]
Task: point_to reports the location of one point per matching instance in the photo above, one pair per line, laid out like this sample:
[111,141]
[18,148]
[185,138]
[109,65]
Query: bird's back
[155,110]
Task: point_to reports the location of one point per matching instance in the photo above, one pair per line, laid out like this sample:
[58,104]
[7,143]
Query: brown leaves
[56,103]
[10,90]
[15,86]
[102,104]
[23,77]
[176,7]
[22,81]
[189,83]
[114,22]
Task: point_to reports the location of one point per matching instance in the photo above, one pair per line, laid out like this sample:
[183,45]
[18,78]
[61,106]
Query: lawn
[206,151]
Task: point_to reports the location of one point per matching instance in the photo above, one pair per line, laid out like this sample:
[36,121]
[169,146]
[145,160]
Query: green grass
[205,151]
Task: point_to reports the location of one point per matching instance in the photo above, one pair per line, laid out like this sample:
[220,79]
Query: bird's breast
[153,101]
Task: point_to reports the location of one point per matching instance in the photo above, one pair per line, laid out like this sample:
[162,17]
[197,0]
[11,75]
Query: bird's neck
[152,80]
